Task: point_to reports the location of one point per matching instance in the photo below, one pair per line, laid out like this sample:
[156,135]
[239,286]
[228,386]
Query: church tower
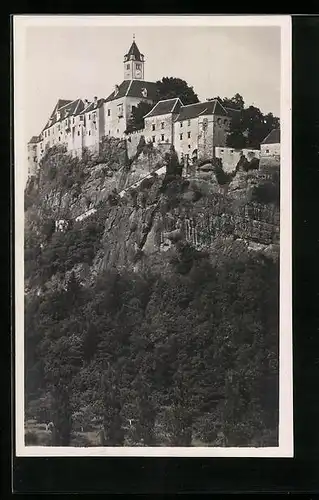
[134,63]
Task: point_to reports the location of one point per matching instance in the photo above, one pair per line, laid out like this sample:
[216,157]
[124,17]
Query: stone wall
[132,141]
[269,161]
[230,156]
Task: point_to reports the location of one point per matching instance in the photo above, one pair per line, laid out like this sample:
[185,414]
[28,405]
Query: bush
[30,438]
[266,192]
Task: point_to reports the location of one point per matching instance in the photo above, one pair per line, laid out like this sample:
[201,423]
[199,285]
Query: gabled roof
[134,52]
[34,139]
[71,108]
[213,107]
[273,137]
[232,111]
[92,106]
[165,107]
[133,88]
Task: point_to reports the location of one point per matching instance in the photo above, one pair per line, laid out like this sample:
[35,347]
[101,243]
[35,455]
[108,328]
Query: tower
[134,63]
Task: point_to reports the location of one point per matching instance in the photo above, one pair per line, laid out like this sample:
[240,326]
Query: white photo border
[285,448]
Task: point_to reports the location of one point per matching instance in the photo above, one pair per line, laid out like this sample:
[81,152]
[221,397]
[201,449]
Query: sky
[83,62]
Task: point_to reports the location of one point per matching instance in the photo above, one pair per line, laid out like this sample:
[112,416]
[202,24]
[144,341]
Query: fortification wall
[230,156]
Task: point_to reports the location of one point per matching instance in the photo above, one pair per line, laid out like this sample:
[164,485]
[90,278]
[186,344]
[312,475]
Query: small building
[199,128]
[270,150]
[270,146]
[33,155]
[159,122]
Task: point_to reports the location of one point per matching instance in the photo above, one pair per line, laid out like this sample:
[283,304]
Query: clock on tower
[133,64]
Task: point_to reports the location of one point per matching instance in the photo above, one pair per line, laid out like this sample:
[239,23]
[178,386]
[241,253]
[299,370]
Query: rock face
[146,222]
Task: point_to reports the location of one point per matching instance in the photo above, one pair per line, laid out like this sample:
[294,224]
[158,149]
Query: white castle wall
[230,156]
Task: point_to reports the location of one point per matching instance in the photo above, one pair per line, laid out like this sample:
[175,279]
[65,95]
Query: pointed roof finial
[133,36]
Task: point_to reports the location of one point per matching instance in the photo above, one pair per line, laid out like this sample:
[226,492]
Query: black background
[197,475]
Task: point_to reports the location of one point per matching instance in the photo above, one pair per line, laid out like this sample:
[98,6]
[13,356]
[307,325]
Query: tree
[136,122]
[170,87]
[235,102]
[112,419]
[167,88]
[145,411]
[249,127]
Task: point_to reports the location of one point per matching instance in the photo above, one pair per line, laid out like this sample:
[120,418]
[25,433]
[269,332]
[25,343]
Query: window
[181,124]
[73,119]
[189,122]
[162,124]
[189,146]
[153,126]
[60,138]
[89,117]
[127,66]
[120,110]
[108,112]
[181,136]
[89,132]
[162,137]
[48,132]
[225,121]
[153,138]
[78,132]
[109,132]
[81,118]
[267,150]
[138,66]
[188,135]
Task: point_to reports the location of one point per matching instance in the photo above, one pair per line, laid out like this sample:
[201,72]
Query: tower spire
[133,63]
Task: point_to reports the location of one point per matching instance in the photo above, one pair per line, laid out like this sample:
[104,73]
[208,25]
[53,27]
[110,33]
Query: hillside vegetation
[181,350]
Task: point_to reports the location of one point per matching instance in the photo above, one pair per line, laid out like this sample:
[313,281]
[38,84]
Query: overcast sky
[72,62]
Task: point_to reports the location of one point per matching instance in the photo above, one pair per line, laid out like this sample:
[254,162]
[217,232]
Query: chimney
[95,100]
[86,103]
[116,89]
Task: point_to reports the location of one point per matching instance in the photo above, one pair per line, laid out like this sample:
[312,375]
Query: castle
[195,130]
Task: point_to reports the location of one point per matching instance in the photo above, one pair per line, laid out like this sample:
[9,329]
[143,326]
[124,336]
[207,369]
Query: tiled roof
[165,107]
[91,106]
[134,52]
[213,107]
[71,108]
[273,137]
[34,139]
[63,102]
[133,88]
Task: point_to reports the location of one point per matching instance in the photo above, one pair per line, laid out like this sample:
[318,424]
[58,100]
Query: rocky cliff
[146,210]
[151,297]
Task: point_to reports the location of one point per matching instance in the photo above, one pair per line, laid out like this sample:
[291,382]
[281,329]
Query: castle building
[133,89]
[194,130]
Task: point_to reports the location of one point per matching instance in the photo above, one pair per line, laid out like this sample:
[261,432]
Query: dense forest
[185,357]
